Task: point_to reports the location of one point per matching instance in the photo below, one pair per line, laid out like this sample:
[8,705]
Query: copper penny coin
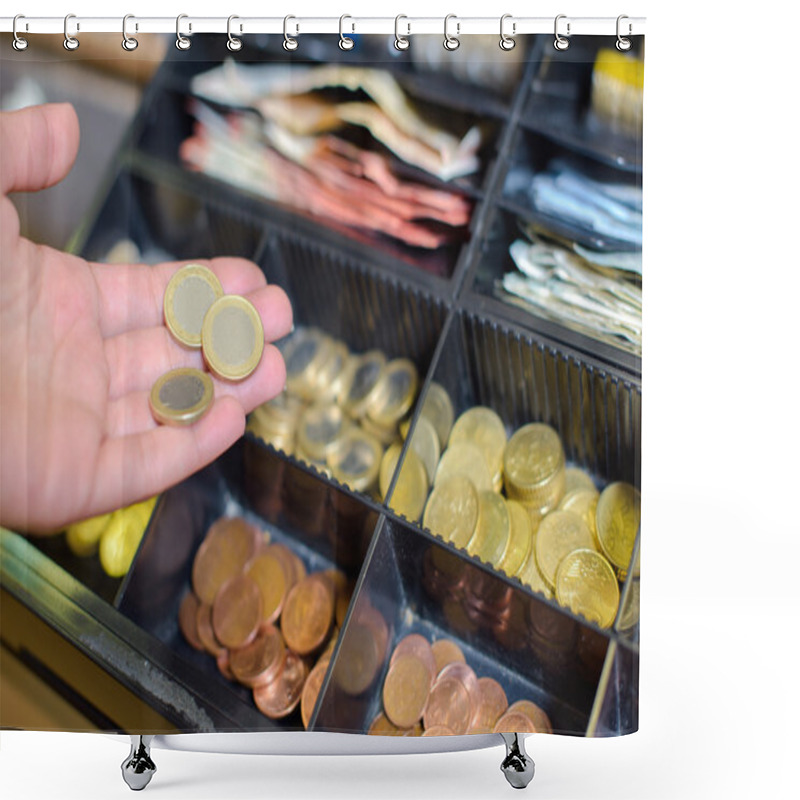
[205,630]
[383,726]
[514,723]
[269,573]
[295,569]
[406,690]
[307,615]
[438,730]
[446,651]
[187,620]
[224,664]
[493,704]
[260,660]
[236,613]
[449,705]
[280,697]
[466,675]
[537,716]
[418,646]
[311,690]
[228,546]
[370,616]
[358,661]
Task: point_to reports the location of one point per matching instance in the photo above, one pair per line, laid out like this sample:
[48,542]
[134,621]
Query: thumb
[38,146]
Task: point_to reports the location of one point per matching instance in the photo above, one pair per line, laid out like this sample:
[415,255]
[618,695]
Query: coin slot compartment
[534,652]
[559,106]
[316,522]
[616,709]
[595,411]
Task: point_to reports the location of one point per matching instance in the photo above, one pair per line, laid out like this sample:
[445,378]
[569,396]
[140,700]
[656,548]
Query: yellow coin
[385,436]
[118,545]
[425,443]
[83,537]
[452,510]
[411,490]
[577,478]
[233,337]
[559,534]
[493,531]
[141,512]
[618,518]
[191,291]
[586,583]
[482,426]
[519,542]
[181,396]
[396,393]
[530,575]
[534,467]
[438,409]
[583,502]
[355,460]
[279,415]
[467,460]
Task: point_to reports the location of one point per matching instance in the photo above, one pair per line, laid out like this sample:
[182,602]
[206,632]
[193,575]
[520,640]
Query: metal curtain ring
[345,42]
[70,42]
[181,42]
[623,43]
[19,44]
[288,42]
[561,43]
[450,42]
[128,42]
[506,42]
[233,43]
[401,42]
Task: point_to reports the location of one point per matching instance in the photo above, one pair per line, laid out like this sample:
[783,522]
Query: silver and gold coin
[367,372]
[355,460]
[319,428]
[181,396]
[232,337]
[396,393]
[304,353]
[190,293]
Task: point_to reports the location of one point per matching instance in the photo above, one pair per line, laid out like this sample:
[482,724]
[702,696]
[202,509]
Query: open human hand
[81,344]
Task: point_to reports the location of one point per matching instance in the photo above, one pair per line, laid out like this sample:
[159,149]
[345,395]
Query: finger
[132,295]
[137,358]
[130,414]
[41,143]
[153,461]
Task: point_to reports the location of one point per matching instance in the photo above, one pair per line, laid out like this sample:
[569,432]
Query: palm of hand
[80,346]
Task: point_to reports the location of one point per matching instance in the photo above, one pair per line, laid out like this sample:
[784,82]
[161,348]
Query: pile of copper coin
[430,690]
[271,626]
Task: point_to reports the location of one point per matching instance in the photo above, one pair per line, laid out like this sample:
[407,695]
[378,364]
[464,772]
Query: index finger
[132,295]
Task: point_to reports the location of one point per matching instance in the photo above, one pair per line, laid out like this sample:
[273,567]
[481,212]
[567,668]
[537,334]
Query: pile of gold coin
[551,529]
[227,328]
[114,537]
[429,690]
[340,410]
[270,625]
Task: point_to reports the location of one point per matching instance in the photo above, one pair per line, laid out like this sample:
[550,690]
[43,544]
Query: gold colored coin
[452,510]
[406,690]
[586,583]
[530,575]
[233,337]
[84,537]
[118,545]
[425,443]
[181,396]
[482,426]
[520,539]
[630,611]
[464,459]
[320,427]
[396,393]
[618,518]
[364,386]
[191,291]
[560,533]
[411,489]
[355,460]
[534,466]
[437,408]
[493,531]
[385,436]
[577,478]
[583,502]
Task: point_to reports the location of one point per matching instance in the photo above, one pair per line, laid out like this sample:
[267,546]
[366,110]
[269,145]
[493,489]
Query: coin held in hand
[181,396]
